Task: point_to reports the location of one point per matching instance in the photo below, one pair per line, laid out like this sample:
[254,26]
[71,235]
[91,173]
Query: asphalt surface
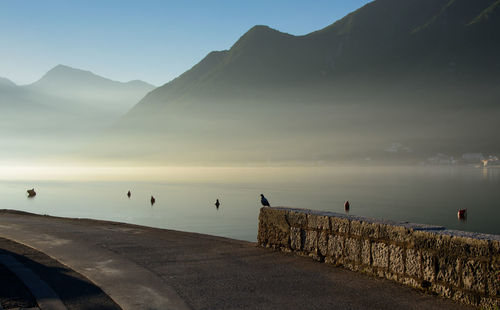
[147,268]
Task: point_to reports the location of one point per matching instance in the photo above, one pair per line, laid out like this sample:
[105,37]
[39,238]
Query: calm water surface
[185,196]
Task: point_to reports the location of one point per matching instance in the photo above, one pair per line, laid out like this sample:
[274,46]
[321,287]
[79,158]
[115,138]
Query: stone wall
[459,265]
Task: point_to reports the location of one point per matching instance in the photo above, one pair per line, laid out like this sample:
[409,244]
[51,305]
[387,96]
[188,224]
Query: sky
[153,41]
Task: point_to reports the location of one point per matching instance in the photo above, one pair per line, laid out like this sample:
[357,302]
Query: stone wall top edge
[412,226]
[469,234]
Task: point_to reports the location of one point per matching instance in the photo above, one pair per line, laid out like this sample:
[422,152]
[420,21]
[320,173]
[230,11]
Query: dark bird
[153,200]
[462,214]
[264,201]
[31,192]
[347,205]
[217,203]
[129,194]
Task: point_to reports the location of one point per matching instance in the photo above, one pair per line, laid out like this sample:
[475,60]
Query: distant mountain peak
[65,74]
[263,30]
[6,82]
[139,82]
[258,37]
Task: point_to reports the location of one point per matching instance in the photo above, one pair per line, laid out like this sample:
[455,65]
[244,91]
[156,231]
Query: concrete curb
[45,297]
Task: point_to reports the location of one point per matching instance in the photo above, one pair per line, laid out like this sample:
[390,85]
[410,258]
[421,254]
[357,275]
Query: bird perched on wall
[129,194]
[264,201]
[153,200]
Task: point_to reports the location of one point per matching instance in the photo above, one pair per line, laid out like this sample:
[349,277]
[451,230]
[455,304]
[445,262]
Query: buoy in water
[462,214]
[129,194]
[31,192]
[217,203]
[347,205]
[153,200]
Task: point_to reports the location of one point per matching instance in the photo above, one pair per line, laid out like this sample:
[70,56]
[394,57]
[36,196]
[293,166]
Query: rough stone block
[493,278]
[489,303]
[351,266]
[443,245]
[396,259]
[277,238]
[413,263]
[339,225]
[380,273]
[273,217]
[380,254]
[366,252]
[364,229]
[495,247]
[262,238]
[311,241]
[323,243]
[273,228]
[370,230]
[410,282]
[295,239]
[441,290]
[318,222]
[352,249]
[466,297]
[394,233]
[356,228]
[465,246]
[428,266]
[448,270]
[423,240]
[336,247]
[391,276]
[473,276]
[297,219]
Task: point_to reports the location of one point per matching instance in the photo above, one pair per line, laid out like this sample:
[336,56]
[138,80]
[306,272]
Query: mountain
[6,82]
[386,39]
[83,89]
[392,81]
[63,109]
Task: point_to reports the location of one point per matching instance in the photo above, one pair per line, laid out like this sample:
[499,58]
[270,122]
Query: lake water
[185,196]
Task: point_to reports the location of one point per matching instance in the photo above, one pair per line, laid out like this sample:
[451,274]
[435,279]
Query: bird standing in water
[129,194]
[217,203]
[153,200]
[264,201]
[347,205]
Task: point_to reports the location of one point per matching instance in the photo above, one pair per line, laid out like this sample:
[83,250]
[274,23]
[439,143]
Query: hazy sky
[154,41]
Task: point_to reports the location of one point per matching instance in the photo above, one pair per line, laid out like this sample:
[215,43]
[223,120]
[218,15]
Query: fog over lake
[185,196]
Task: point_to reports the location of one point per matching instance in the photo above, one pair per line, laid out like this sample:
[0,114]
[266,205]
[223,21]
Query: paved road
[147,268]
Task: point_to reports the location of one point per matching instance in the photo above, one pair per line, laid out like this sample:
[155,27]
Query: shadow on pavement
[75,291]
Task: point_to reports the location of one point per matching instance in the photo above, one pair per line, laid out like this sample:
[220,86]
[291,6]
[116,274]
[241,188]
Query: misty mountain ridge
[6,82]
[89,89]
[411,72]
[64,108]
